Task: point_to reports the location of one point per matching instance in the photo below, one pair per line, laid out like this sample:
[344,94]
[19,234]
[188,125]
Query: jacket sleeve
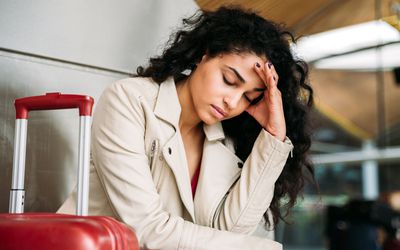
[118,152]
[243,207]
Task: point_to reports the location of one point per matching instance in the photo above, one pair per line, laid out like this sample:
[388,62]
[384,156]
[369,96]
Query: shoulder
[126,101]
[136,87]
[130,92]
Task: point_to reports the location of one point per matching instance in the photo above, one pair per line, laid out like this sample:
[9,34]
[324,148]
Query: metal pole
[83,167]
[17,193]
[390,154]
[370,174]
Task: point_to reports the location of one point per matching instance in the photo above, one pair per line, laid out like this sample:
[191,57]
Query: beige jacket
[139,174]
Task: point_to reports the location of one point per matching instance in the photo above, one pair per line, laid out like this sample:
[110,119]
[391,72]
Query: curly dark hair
[234,30]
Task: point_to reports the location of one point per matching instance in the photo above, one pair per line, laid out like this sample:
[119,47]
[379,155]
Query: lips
[219,112]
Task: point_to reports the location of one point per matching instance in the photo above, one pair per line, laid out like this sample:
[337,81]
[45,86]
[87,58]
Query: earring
[186,72]
[189,70]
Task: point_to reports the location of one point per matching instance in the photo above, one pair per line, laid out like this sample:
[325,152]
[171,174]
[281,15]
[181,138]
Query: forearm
[159,229]
[165,231]
[249,198]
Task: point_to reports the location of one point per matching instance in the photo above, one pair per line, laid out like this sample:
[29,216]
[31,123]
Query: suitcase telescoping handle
[48,102]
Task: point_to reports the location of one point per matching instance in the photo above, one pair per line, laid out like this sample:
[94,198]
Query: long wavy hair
[234,30]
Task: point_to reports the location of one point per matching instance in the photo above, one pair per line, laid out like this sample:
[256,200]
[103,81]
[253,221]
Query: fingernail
[269,65]
[257,65]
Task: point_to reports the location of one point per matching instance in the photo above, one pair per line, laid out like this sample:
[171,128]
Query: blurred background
[352,47]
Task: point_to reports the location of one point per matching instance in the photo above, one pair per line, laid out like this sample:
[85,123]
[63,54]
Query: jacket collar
[214,132]
[167,105]
[169,109]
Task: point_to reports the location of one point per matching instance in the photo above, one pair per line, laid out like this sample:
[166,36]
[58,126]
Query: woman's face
[223,87]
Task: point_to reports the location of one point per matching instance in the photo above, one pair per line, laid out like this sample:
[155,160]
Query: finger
[271,70]
[272,76]
[261,72]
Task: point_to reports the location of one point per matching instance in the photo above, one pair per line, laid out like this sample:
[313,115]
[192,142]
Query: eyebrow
[243,80]
[237,74]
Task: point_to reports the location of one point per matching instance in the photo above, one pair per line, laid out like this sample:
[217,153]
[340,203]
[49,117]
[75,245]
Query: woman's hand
[269,111]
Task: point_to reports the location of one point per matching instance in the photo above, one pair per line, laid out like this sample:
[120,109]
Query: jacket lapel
[219,171]
[168,109]
[219,166]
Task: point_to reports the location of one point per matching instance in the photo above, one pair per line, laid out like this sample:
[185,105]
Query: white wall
[42,44]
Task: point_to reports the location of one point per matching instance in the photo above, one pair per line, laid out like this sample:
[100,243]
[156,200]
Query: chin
[209,120]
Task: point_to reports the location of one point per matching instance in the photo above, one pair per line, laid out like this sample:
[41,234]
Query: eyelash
[257,100]
[232,84]
[227,82]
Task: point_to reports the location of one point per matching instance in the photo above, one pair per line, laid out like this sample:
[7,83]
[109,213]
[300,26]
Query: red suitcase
[47,231]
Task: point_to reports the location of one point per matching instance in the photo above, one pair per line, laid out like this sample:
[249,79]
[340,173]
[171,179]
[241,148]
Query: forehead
[242,57]
[244,64]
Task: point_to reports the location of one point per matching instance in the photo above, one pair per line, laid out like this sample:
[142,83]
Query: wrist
[278,136]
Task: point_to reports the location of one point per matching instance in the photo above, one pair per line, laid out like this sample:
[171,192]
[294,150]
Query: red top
[195,180]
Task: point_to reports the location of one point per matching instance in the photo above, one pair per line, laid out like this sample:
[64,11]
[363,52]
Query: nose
[232,99]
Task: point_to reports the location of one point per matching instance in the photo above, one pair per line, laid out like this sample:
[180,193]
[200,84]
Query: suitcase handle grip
[53,101]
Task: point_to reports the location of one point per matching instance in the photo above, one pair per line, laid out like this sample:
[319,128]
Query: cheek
[211,90]
[239,109]
[202,81]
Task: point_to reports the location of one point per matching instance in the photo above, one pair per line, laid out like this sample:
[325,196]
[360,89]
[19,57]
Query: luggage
[47,231]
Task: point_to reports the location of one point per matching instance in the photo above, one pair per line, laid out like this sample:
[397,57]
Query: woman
[193,151]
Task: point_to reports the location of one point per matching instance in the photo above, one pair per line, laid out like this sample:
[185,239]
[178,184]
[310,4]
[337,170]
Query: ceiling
[309,17]
[348,98]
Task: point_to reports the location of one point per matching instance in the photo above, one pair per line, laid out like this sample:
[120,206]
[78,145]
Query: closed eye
[255,100]
[227,82]
[247,99]
[233,84]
